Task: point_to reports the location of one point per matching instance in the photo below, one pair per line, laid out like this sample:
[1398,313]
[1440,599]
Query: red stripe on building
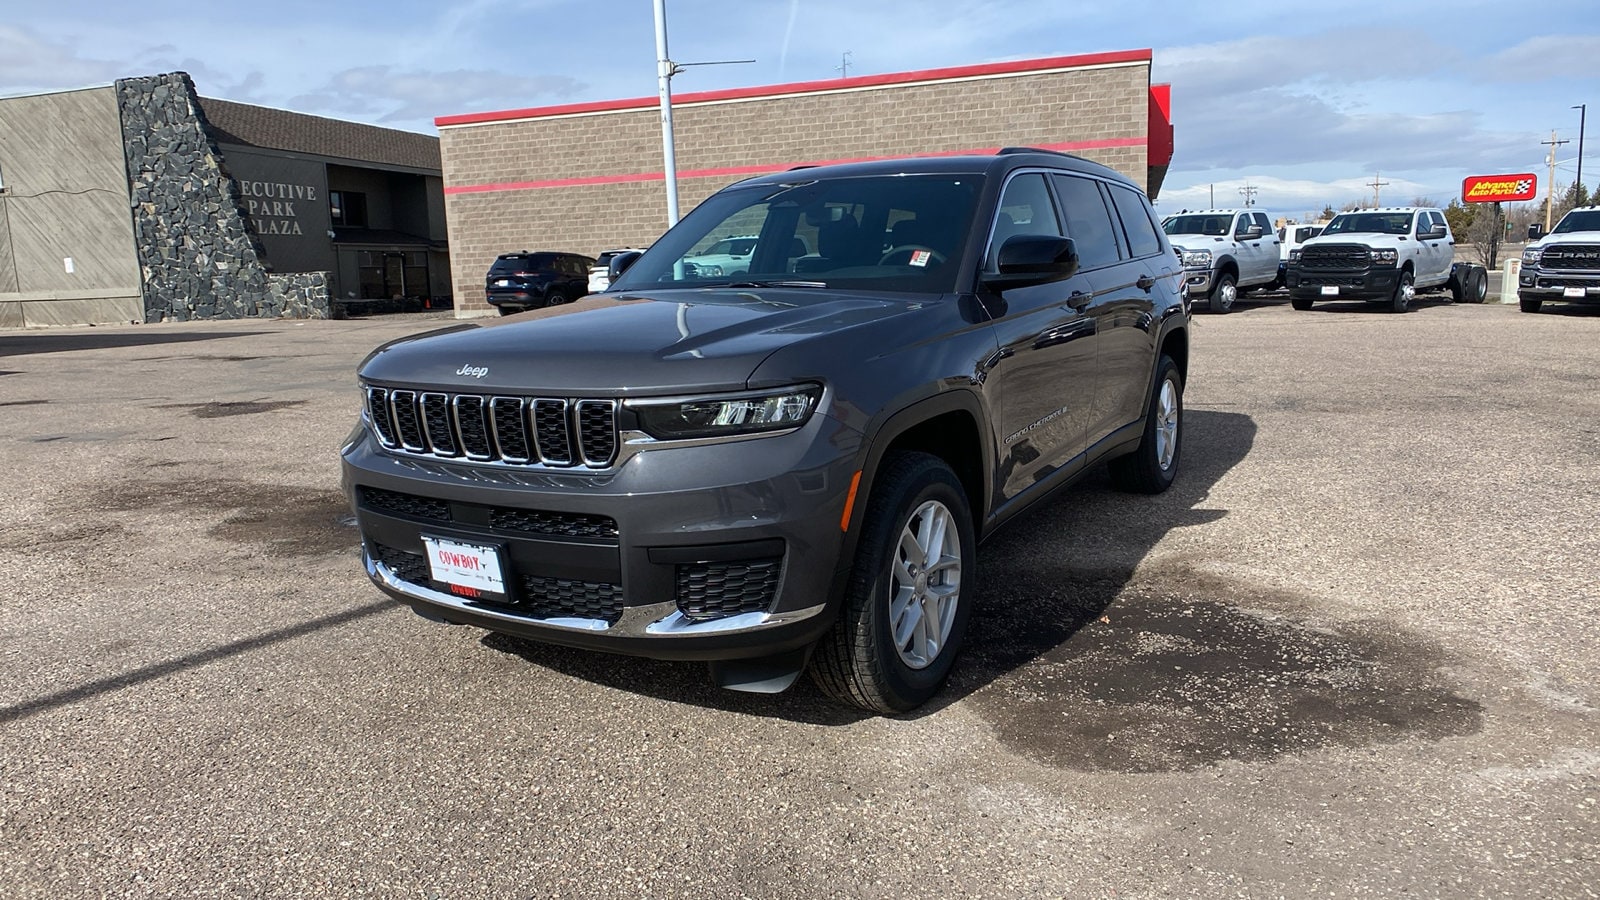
[1015,67]
[764,169]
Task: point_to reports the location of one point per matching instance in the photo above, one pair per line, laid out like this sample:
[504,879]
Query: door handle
[1145,283]
[1079,300]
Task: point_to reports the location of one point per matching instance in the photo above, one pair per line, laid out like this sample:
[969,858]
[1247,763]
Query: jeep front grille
[538,597]
[1572,257]
[1334,256]
[515,430]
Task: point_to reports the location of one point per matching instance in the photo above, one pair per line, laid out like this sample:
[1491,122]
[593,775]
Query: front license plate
[1572,292]
[1330,290]
[475,567]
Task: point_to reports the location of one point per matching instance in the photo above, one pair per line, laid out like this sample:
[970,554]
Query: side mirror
[1535,231]
[1436,232]
[1029,259]
[1253,231]
[621,262]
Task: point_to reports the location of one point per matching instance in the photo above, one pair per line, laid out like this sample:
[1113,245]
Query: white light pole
[665,69]
[664,72]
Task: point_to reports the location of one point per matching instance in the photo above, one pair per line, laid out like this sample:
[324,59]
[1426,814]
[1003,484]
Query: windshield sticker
[920,257]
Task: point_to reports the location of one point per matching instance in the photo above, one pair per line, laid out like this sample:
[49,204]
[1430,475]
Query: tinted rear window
[533,262]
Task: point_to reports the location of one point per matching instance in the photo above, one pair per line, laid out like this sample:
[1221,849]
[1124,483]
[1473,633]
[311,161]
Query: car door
[1442,249]
[1249,249]
[1271,246]
[1043,384]
[1127,328]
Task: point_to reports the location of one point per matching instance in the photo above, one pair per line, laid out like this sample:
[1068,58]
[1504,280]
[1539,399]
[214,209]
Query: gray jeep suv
[793,465]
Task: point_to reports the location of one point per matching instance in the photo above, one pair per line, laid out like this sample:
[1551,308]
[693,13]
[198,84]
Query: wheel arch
[950,426]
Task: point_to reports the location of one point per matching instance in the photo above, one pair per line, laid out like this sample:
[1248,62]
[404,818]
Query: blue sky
[1306,101]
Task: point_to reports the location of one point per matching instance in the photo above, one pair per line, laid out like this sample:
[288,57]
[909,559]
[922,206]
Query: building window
[349,208]
[393,275]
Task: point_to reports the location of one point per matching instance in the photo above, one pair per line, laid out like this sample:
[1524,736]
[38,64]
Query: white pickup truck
[1563,265]
[1225,252]
[1385,256]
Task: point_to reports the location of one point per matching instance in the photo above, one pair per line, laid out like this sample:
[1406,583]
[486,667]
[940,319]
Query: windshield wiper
[770,284]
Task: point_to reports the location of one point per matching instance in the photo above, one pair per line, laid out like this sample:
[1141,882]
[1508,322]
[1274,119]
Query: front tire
[1152,467]
[1405,291]
[1530,304]
[1225,294]
[904,614]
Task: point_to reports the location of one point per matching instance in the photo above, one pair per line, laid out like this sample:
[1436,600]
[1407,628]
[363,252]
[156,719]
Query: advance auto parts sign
[1499,188]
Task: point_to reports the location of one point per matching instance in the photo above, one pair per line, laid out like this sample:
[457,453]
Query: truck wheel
[1301,302]
[1404,292]
[1530,304]
[1478,290]
[1224,294]
[1460,284]
[1151,468]
[904,615]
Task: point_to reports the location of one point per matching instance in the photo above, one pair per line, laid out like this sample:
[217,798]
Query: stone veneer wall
[196,253]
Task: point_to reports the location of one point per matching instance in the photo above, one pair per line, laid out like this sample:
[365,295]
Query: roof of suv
[1007,159]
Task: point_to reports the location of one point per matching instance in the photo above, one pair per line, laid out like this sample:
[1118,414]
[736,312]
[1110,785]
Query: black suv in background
[792,465]
[519,281]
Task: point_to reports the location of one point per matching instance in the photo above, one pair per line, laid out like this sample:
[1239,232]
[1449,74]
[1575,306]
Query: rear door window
[1142,238]
[1089,223]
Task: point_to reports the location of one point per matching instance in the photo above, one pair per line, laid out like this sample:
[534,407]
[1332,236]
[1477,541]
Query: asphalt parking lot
[1351,653]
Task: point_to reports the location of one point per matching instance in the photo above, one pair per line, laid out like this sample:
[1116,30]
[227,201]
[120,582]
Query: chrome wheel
[925,585]
[1227,293]
[1167,425]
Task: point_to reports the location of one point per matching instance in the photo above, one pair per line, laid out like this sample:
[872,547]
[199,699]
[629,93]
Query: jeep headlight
[1197,259]
[1385,257]
[1531,256]
[726,414]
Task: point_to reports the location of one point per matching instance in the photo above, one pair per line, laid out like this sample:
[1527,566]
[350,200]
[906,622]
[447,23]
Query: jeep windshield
[1198,224]
[900,233]
[1369,223]
[1578,220]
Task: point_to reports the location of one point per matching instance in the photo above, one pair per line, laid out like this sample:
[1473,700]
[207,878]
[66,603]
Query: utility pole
[1249,193]
[1583,112]
[1213,197]
[843,68]
[1377,184]
[1550,186]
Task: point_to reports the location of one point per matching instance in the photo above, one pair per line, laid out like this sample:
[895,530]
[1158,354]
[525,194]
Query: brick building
[588,177]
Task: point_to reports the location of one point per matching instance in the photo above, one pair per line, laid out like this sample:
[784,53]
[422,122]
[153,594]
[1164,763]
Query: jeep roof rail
[1007,151]
[801,166]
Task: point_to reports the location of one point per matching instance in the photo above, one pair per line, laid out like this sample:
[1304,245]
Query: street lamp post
[665,69]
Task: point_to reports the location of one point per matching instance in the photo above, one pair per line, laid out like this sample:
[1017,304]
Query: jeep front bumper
[713,552]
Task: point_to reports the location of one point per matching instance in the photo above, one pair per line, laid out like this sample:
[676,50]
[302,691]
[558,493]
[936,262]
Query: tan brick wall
[1031,109]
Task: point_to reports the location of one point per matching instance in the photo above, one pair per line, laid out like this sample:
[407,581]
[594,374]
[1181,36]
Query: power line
[1249,193]
[843,68]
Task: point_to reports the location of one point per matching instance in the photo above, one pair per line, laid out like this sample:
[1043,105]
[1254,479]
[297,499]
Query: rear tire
[507,311]
[1152,467]
[1530,305]
[1478,290]
[1460,284]
[904,614]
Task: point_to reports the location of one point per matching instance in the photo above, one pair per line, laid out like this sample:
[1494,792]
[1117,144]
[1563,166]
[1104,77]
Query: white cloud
[416,97]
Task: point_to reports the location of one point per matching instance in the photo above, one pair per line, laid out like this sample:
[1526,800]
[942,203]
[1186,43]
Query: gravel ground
[1350,654]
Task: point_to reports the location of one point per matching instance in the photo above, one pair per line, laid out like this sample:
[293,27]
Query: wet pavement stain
[1167,679]
[232,408]
[289,520]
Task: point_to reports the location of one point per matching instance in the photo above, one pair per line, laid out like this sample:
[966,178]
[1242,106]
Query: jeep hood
[629,343]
